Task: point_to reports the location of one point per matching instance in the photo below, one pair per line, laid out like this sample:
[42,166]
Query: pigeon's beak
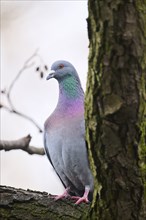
[51,75]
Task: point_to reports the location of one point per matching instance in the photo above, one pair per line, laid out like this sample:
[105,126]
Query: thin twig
[12,108]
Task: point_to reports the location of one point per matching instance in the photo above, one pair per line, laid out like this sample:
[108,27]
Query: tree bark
[32,205]
[115,107]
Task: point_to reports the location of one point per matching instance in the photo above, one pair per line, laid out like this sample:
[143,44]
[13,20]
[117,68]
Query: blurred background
[59,30]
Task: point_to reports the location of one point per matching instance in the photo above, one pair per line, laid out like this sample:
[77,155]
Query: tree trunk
[115,107]
[32,205]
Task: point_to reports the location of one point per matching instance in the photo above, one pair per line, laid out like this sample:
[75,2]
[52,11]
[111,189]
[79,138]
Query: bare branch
[12,108]
[21,144]
[28,205]
[26,65]
[5,107]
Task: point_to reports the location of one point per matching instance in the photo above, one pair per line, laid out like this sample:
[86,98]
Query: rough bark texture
[31,205]
[115,107]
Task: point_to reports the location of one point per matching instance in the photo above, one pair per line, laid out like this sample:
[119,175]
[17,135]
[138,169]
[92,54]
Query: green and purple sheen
[71,88]
[70,103]
[71,96]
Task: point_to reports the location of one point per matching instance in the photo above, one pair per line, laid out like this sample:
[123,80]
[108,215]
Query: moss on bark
[115,107]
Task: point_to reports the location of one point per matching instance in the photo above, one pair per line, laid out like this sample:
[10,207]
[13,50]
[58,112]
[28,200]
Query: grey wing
[73,190]
[48,155]
[46,150]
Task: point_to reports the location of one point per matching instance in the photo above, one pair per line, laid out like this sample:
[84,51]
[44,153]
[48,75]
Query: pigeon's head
[68,79]
[62,69]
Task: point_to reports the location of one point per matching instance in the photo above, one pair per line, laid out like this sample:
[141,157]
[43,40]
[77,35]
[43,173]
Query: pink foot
[84,198]
[64,195]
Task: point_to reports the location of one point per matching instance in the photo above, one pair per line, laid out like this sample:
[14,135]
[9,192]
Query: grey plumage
[64,132]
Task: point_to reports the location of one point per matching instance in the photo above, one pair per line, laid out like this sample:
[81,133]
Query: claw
[84,198]
[64,195]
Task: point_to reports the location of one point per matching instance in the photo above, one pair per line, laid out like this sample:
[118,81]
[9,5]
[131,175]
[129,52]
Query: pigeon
[64,135]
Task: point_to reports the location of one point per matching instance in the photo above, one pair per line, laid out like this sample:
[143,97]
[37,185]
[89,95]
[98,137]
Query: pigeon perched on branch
[64,135]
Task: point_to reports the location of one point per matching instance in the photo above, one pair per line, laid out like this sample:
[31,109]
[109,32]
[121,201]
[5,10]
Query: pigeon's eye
[61,66]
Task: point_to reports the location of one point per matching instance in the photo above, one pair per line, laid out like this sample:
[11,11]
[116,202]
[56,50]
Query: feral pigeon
[64,135]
